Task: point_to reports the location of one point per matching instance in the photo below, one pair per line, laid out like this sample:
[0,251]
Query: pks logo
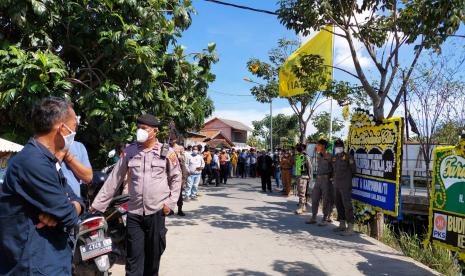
[440,226]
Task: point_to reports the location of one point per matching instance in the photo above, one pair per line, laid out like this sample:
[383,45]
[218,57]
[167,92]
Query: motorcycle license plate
[95,249]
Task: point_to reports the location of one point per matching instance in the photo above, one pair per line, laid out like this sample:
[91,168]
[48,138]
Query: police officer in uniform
[303,171]
[344,168]
[321,191]
[155,178]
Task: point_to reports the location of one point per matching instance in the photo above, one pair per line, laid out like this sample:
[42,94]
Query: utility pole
[271,124]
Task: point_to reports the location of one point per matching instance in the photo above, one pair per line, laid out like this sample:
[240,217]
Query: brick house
[221,132]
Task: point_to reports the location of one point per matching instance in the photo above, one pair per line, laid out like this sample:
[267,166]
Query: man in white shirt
[194,165]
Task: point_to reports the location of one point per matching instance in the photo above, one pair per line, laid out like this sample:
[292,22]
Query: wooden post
[377,226]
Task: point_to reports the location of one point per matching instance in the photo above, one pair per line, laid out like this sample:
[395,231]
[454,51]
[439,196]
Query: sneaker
[193,197]
[323,223]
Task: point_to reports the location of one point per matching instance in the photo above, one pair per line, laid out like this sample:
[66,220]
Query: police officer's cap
[148,119]
[339,143]
[323,142]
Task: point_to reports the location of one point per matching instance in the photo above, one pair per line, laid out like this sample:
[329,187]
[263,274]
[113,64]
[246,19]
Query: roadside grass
[433,256]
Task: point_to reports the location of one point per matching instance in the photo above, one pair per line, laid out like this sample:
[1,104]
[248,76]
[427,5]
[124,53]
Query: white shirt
[194,162]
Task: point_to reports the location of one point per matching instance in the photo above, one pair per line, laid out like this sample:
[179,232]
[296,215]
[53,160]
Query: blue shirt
[79,152]
[33,185]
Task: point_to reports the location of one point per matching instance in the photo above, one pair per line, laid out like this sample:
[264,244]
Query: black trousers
[180,202]
[207,174]
[266,181]
[146,242]
[240,169]
[253,170]
[216,176]
[224,173]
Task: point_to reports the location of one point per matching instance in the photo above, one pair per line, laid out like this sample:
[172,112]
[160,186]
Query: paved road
[234,230]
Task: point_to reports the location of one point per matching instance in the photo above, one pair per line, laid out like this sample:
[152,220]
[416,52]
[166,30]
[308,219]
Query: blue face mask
[195,152]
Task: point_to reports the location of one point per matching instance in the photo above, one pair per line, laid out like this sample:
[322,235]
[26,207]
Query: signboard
[447,203]
[377,150]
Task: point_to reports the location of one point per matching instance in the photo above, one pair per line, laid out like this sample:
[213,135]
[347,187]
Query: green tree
[448,132]
[321,122]
[312,75]
[283,126]
[256,142]
[385,28]
[114,59]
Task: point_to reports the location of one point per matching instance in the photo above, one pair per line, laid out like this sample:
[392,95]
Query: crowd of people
[318,177]
[40,203]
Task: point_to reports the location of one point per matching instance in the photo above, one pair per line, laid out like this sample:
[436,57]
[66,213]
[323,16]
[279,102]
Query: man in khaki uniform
[155,178]
[344,167]
[303,172]
[322,184]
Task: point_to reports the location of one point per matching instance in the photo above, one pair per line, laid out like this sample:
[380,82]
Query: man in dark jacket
[265,168]
[37,207]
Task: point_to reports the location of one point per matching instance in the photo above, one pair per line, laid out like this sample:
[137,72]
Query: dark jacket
[343,169]
[265,164]
[34,184]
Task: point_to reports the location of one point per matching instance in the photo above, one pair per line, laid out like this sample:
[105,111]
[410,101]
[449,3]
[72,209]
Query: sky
[241,35]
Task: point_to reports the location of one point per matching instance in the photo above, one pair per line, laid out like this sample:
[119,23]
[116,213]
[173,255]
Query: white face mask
[339,150]
[142,135]
[195,152]
[69,139]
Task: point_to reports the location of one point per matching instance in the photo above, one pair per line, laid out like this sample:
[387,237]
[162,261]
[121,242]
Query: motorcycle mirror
[112,154]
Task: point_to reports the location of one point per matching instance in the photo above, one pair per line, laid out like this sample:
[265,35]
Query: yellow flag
[321,44]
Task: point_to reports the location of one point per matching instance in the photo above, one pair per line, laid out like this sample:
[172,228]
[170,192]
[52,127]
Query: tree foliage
[114,59]
[384,27]
[311,72]
[321,122]
[284,126]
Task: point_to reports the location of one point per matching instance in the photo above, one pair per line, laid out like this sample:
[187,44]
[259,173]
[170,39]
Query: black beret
[323,142]
[339,142]
[149,120]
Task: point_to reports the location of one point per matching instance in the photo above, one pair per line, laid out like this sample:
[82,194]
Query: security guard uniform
[303,171]
[344,168]
[321,191]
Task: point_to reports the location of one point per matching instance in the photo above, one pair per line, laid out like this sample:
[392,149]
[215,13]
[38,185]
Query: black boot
[180,212]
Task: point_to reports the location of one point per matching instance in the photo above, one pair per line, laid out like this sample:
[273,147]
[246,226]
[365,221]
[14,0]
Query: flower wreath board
[377,150]
[447,203]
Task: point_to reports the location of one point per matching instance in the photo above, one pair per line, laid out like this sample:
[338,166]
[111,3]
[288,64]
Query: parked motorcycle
[100,239]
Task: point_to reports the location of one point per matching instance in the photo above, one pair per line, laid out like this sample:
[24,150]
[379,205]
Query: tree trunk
[302,128]
[377,226]
[378,112]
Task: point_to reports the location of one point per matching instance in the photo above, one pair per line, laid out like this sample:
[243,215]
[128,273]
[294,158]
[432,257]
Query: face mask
[69,139]
[142,135]
[339,150]
[195,152]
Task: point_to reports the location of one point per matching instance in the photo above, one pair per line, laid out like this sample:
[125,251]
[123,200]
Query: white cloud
[244,116]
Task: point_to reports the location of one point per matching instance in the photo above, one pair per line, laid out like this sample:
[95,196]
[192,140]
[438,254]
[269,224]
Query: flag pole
[331,99]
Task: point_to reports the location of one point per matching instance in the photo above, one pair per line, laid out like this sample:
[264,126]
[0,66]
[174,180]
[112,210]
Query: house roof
[210,133]
[232,123]
[191,134]
[7,146]
[216,134]
[224,142]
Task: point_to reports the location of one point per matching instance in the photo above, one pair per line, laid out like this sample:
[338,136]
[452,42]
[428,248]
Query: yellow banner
[321,44]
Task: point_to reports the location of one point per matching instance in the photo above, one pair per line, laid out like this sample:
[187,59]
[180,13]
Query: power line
[241,7]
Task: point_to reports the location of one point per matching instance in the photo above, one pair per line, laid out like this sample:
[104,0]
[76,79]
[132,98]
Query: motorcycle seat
[119,200]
